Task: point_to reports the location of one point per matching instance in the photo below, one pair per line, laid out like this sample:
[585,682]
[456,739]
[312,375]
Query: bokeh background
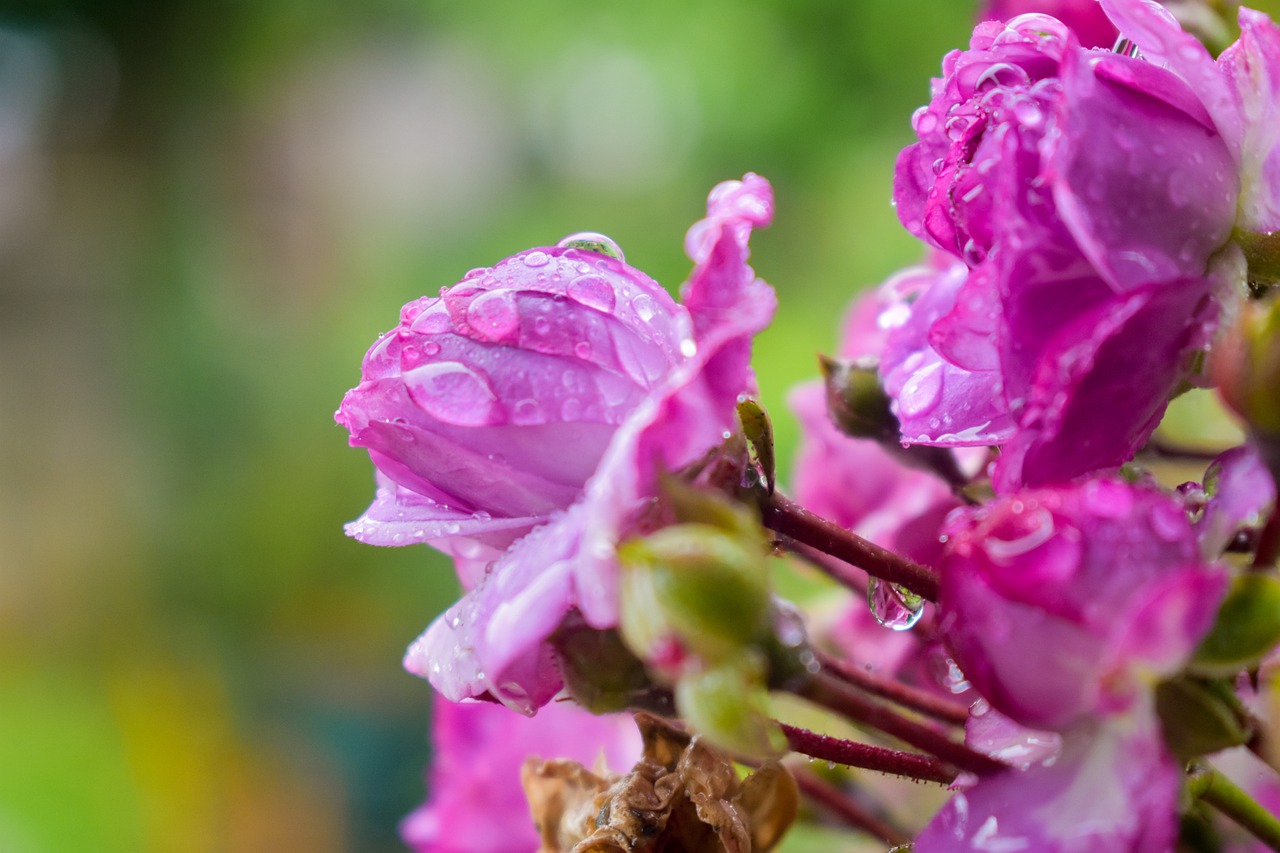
[208,211]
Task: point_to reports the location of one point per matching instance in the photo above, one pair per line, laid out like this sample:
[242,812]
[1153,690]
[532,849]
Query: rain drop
[922,391]
[594,291]
[590,241]
[536,259]
[494,316]
[895,607]
[452,393]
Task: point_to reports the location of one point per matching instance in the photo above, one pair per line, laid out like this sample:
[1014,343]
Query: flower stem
[895,691]
[1220,792]
[789,518]
[912,765]
[833,800]
[1268,542]
[834,695]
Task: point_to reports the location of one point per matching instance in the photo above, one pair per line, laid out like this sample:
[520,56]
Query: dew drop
[527,411]
[452,393]
[541,325]
[494,315]
[536,259]
[688,348]
[571,409]
[590,241]
[475,272]
[433,320]
[644,307]
[582,349]
[594,291]
[895,607]
[922,391]
[431,348]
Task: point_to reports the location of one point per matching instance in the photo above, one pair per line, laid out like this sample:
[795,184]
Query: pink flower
[520,420]
[1112,788]
[1059,605]
[476,803]
[1086,194]
[1064,608]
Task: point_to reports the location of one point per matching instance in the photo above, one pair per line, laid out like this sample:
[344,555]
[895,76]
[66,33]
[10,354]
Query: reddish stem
[1268,542]
[789,518]
[912,765]
[826,691]
[833,800]
[895,691]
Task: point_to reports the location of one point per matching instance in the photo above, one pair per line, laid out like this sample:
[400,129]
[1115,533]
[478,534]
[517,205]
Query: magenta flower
[1111,788]
[1086,193]
[1064,607]
[519,420]
[476,803]
[1059,605]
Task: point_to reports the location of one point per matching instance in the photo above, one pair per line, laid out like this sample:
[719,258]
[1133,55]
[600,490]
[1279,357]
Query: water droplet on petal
[536,259]
[475,273]
[431,348]
[922,391]
[582,349]
[433,320]
[594,291]
[590,241]
[452,393]
[688,348]
[494,315]
[528,411]
[644,306]
[571,409]
[894,606]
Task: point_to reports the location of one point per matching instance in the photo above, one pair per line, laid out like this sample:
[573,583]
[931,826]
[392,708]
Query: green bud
[727,702]
[1246,365]
[1247,627]
[1197,718]
[692,505]
[856,401]
[706,586]
[602,674]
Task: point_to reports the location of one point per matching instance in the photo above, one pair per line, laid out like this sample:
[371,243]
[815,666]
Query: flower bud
[726,704]
[1246,365]
[697,583]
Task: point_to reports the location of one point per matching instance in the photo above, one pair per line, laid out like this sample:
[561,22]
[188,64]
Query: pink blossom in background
[1088,284]
[476,802]
[520,419]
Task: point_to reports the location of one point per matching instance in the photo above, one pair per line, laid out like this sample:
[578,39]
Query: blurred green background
[208,210]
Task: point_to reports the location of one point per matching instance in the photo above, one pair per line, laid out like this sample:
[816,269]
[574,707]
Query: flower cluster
[1077,636]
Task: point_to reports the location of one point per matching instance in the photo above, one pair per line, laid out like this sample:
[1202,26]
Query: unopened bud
[1246,366]
[1246,630]
[856,401]
[1197,718]
[705,586]
[726,703]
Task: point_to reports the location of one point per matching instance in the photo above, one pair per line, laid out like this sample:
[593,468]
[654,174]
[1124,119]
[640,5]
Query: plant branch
[895,691]
[832,694]
[1224,795]
[912,765]
[789,518]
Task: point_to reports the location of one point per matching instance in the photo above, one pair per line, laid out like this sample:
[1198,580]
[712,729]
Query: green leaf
[1247,628]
